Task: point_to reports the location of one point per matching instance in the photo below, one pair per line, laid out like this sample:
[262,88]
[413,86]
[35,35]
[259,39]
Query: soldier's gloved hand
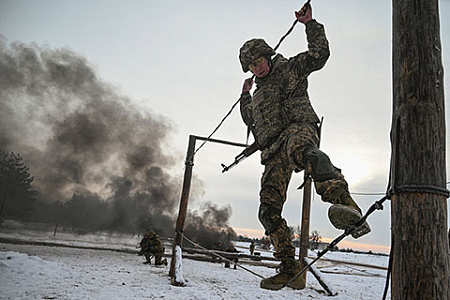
[248,83]
[304,15]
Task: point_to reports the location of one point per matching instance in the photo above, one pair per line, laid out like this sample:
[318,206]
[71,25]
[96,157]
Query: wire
[368,194]
[226,259]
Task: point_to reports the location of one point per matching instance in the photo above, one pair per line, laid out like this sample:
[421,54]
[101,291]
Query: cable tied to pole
[378,205]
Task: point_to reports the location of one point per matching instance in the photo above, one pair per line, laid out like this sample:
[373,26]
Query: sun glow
[353,168]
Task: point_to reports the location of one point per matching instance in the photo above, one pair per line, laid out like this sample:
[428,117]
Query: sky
[179,59]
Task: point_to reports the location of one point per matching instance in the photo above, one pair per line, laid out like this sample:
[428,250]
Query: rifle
[246,153]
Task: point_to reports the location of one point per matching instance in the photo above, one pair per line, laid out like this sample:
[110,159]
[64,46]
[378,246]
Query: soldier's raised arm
[318,49]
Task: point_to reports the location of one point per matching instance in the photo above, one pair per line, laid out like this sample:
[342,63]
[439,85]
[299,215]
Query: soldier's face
[260,67]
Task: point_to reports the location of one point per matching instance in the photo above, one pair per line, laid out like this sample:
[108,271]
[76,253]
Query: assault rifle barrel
[241,156]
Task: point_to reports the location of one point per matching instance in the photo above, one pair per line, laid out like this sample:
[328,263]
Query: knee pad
[269,217]
[322,168]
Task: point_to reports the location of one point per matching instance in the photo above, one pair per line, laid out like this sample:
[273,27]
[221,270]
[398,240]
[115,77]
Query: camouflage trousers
[275,181]
[158,256]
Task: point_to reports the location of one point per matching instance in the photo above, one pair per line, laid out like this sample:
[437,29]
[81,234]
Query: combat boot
[159,261]
[346,213]
[288,268]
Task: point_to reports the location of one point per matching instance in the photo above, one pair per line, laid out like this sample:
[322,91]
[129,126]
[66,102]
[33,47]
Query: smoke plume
[86,144]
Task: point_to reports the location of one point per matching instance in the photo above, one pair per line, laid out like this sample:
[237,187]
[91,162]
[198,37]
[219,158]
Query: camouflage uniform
[151,245]
[284,125]
[252,247]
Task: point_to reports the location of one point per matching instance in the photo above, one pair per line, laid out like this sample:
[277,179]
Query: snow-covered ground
[52,272]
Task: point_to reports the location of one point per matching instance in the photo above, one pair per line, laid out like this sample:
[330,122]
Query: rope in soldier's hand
[234,105]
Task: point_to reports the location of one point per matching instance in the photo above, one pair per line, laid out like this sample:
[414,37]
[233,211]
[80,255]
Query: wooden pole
[184,200]
[420,259]
[186,188]
[306,212]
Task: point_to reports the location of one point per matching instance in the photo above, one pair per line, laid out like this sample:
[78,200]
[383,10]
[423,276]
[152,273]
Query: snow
[178,268]
[332,291]
[43,272]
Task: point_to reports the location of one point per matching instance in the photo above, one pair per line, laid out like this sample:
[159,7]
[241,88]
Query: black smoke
[210,226]
[96,157]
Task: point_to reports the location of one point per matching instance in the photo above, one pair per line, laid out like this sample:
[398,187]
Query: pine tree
[16,189]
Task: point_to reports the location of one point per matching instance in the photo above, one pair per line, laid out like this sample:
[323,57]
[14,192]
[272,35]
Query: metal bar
[220,141]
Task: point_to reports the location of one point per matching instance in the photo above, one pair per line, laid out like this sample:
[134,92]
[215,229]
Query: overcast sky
[179,59]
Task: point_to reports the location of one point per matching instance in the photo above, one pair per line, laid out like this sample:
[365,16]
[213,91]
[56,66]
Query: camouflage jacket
[280,102]
[152,244]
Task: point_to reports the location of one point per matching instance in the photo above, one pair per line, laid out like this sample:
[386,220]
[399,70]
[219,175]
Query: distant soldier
[151,245]
[232,249]
[252,247]
[217,246]
[266,243]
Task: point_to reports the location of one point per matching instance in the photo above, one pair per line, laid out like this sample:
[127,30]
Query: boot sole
[276,287]
[280,280]
[272,287]
[342,216]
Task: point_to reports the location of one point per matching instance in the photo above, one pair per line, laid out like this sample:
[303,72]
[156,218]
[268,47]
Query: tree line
[19,200]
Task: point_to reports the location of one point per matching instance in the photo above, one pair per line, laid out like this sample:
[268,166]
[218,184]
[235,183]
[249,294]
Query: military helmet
[253,49]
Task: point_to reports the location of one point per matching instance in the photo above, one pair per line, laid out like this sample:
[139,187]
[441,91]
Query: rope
[217,128]
[377,205]
[389,271]
[287,33]
[290,30]
[224,258]
[234,105]
[367,194]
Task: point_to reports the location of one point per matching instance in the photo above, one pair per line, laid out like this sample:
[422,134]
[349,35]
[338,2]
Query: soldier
[252,247]
[231,249]
[266,243]
[151,245]
[285,127]
[217,246]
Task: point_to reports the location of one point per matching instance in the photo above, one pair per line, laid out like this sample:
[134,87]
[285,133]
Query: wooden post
[306,212]
[304,237]
[186,188]
[420,268]
[184,199]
